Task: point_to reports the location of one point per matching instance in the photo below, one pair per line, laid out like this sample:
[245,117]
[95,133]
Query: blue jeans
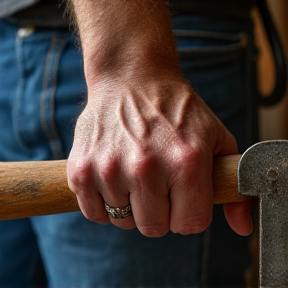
[218,57]
[42,90]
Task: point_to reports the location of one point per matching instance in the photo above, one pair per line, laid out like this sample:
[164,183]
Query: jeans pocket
[210,48]
[34,105]
[221,68]
[216,64]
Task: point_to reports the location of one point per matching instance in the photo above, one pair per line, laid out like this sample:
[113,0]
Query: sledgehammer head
[263,172]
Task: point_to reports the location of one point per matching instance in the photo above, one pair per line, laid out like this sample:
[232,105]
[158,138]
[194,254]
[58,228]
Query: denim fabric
[42,90]
[218,57]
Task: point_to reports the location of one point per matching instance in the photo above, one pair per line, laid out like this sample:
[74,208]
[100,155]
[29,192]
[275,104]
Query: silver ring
[119,213]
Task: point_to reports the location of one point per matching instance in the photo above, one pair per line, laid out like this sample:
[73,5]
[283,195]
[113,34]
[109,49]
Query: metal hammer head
[263,172]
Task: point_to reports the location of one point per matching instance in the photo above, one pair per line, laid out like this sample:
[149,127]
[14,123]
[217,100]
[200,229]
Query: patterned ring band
[119,213]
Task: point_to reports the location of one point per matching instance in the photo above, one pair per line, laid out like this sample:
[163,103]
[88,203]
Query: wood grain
[40,188]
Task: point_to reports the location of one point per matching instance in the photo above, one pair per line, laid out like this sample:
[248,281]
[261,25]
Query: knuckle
[80,173]
[142,164]
[192,226]
[153,231]
[186,164]
[125,225]
[90,215]
[108,168]
[83,193]
[188,155]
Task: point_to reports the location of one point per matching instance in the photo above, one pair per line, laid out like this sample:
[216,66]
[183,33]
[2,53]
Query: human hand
[150,143]
[144,137]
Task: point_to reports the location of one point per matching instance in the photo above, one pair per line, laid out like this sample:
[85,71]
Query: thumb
[238,216]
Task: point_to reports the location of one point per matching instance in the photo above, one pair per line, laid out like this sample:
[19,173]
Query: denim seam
[47,37]
[237,42]
[207,34]
[210,50]
[50,74]
[19,95]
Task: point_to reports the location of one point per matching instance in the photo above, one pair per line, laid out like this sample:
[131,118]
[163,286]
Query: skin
[145,136]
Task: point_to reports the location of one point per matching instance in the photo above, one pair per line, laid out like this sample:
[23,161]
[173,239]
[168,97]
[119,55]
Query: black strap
[280,85]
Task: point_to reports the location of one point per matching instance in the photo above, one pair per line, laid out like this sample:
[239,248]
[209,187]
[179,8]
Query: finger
[92,207]
[191,193]
[116,208]
[82,183]
[151,213]
[226,144]
[149,196]
[114,192]
[238,216]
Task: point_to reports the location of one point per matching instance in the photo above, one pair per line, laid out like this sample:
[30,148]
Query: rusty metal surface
[263,172]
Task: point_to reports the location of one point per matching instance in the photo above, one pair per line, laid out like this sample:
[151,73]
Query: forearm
[122,37]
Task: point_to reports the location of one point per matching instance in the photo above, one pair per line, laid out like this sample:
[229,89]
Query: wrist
[134,42]
[148,64]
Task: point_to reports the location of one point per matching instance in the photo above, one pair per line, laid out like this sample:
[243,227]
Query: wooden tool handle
[40,188]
